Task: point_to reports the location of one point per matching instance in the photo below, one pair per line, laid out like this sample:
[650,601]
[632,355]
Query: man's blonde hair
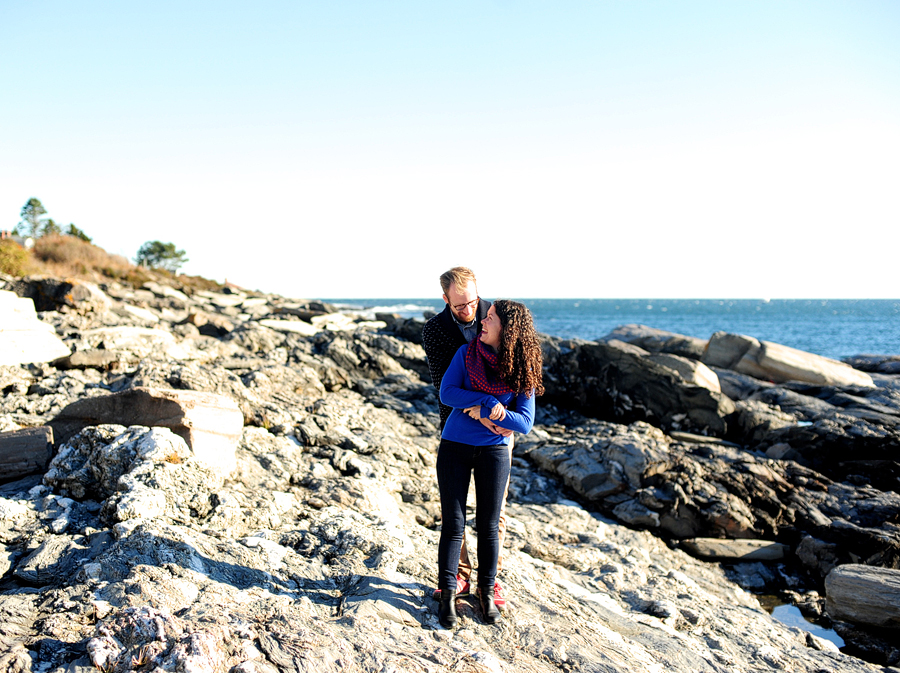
[459,276]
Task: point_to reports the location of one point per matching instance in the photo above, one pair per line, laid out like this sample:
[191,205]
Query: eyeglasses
[473,304]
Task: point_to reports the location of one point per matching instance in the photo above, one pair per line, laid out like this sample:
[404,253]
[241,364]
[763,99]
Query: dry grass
[70,256]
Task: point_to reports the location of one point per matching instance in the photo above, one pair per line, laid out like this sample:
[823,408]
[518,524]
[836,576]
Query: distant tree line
[153,254]
[35,225]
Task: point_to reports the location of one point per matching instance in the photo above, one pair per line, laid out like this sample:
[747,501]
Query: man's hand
[474,412]
[496,429]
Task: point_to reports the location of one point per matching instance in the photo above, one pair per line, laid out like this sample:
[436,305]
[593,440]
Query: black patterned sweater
[441,338]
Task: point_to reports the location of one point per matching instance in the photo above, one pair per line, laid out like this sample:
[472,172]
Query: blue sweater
[456,392]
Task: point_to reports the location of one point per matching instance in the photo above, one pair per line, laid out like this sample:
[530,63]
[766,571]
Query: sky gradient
[596,149]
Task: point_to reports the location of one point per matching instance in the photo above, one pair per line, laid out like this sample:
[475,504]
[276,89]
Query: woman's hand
[496,429]
[474,412]
[498,412]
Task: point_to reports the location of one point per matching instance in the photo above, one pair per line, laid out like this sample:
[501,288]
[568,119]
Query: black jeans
[455,463]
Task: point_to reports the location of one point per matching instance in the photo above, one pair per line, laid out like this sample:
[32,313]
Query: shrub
[14,259]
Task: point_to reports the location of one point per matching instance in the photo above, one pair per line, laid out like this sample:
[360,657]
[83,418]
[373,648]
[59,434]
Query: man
[442,336]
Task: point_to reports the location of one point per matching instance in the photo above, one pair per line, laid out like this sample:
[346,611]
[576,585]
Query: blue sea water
[835,328]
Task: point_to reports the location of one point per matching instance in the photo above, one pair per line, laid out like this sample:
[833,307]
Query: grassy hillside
[69,257]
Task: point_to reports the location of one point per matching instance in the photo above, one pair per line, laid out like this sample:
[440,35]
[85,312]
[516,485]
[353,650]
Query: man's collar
[464,324]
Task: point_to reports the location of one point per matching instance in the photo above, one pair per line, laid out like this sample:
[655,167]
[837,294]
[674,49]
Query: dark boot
[447,609]
[488,608]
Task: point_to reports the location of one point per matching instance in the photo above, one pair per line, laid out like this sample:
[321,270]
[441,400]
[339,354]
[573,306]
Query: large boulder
[210,424]
[774,362]
[140,472]
[23,337]
[864,595]
[56,294]
[622,382]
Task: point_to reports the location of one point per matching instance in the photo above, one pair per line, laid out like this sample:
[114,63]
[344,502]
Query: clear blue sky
[358,149]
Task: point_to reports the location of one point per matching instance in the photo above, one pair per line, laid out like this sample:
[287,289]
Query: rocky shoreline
[232,481]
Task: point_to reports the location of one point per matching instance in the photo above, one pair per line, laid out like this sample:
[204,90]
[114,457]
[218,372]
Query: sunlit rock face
[24,339]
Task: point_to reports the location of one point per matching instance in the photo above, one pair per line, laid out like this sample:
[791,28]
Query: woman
[491,383]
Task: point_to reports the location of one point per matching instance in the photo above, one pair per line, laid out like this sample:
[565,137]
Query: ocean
[835,328]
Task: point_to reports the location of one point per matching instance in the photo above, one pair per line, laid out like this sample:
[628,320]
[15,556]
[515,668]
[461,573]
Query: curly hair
[520,362]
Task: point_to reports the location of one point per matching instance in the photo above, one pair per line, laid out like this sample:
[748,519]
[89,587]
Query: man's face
[463,301]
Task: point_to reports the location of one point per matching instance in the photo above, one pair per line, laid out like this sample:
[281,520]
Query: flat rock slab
[738,550]
[96,358]
[864,595]
[210,424]
[379,598]
[138,341]
[143,314]
[296,326]
[25,452]
[166,291]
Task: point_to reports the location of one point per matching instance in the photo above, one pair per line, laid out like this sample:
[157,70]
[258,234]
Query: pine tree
[31,218]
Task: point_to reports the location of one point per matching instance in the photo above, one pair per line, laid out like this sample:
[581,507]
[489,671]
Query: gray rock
[133,343]
[864,595]
[209,423]
[691,371]
[209,324]
[133,470]
[758,420]
[817,555]
[25,452]
[634,513]
[166,291]
[736,550]
[94,358]
[54,294]
[883,364]
[774,362]
[57,559]
[658,341]
[717,490]
[140,315]
[24,338]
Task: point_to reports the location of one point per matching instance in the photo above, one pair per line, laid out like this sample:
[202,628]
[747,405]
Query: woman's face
[491,329]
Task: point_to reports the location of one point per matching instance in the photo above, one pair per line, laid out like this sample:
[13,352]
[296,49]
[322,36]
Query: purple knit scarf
[481,365]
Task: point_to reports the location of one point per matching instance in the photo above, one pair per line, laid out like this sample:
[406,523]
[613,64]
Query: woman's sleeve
[523,419]
[453,392]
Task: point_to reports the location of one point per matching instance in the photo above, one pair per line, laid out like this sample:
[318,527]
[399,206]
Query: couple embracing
[485,361]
